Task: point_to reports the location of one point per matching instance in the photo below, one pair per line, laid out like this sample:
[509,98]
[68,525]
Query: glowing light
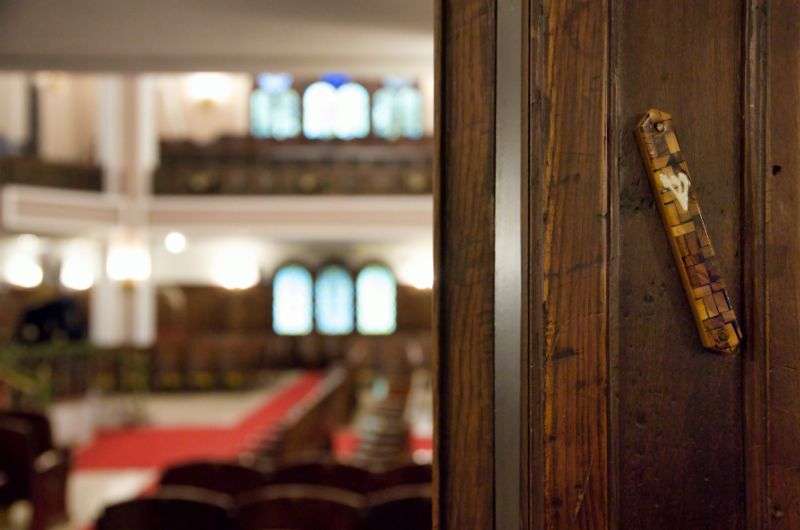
[77,272]
[376,301]
[292,301]
[175,242]
[22,270]
[334,294]
[417,271]
[236,268]
[128,262]
[28,242]
[209,88]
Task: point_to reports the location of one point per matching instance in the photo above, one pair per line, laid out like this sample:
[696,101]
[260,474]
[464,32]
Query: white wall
[180,116]
[68,107]
[14,107]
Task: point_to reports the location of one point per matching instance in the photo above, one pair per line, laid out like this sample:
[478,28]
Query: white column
[128,152]
[107,326]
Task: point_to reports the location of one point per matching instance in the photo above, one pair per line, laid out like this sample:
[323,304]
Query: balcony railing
[245,165]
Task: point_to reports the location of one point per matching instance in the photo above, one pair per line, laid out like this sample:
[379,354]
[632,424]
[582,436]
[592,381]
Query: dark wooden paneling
[569,128]
[464,198]
[783,269]
[680,413]
[413,308]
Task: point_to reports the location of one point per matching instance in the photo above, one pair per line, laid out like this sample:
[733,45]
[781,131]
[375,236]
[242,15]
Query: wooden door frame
[481,309]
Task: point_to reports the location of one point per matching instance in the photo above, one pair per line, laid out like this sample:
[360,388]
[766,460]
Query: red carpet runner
[159,447]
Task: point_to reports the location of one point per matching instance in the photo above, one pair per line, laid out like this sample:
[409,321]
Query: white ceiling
[303,36]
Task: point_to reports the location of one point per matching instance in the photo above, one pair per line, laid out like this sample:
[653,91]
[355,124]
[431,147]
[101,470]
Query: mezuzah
[694,255]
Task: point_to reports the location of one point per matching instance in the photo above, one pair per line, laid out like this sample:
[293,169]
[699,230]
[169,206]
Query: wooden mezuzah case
[691,247]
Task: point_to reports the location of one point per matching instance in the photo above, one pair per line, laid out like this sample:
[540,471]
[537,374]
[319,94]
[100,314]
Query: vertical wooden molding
[533,256]
[754,274]
[569,125]
[465,263]
[439,514]
[782,248]
[615,128]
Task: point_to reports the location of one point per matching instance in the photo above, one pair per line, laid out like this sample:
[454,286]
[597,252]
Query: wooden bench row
[208,495]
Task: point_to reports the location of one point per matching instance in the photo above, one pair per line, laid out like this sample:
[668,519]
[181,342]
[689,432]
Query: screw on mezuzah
[660,126]
[722,335]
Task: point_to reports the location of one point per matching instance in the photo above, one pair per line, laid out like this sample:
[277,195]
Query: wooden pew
[36,471]
[299,507]
[189,510]
[406,507]
[228,478]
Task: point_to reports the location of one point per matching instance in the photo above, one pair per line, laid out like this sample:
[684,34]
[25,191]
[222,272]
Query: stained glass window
[319,110]
[409,102]
[336,107]
[334,301]
[275,108]
[376,295]
[352,112]
[292,301]
[397,110]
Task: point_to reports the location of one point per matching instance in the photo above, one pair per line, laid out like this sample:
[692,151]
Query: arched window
[376,295]
[275,108]
[410,111]
[292,301]
[334,301]
[397,110]
[336,107]
[319,110]
[383,122]
[352,112]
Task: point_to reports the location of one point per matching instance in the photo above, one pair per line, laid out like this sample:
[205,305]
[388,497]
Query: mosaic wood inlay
[694,255]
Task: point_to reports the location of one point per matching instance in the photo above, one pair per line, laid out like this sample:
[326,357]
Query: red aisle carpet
[159,447]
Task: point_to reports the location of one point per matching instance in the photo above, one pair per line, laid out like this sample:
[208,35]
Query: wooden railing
[244,165]
[36,172]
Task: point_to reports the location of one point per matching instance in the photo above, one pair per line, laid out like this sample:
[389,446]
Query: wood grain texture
[569,130]
[465,263]
[680,415]
[783,268]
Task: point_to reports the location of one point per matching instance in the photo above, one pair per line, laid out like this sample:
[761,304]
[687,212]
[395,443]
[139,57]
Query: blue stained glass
[336,79]
[376,295]
[352,112]
[334,301]
[292,301]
